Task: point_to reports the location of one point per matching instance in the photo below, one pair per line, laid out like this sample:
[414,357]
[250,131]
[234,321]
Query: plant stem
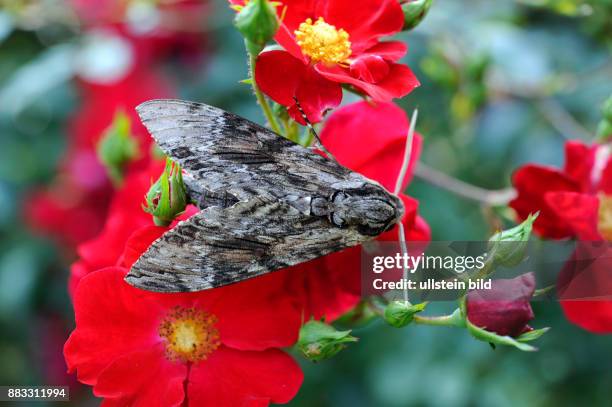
[261,99]
[453,319]
[463,189]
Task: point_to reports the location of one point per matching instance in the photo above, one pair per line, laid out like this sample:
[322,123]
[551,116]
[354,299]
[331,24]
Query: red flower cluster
[219,347]
[329,43]
[73,207]
[575,201]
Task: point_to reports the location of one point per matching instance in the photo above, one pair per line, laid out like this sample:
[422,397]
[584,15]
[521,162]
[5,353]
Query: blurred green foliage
[503,83]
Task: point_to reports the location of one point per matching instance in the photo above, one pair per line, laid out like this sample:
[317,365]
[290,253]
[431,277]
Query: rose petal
[370,139]
[283,77]
[104,303]
[231,378]
[531,183]
[579,211]
[398,83]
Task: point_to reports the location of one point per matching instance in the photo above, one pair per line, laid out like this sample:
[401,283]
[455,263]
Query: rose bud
[167,197]
[400,313]
[117,147]
[504,309]
[414,12]
[319,341]
[258,23]
[510,246]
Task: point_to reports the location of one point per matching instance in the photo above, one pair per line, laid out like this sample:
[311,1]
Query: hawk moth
[265,202]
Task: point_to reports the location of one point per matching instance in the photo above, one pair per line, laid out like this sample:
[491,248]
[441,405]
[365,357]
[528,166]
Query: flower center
[190,334]
[322,42]
[604,223]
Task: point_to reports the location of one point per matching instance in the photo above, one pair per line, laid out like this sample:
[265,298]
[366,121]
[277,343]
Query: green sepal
[532,335]
[495,339]
[509,247]
[319,341]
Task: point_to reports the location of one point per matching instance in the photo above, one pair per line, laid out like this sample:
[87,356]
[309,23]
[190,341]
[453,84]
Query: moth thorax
[189,334]
[371,210]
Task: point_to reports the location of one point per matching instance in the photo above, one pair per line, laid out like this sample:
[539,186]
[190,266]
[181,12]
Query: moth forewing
[267,203]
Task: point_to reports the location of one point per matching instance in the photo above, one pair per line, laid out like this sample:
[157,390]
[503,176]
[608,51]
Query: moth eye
[338,196]
[337,220]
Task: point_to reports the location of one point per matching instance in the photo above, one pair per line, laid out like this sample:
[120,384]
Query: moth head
[370,208]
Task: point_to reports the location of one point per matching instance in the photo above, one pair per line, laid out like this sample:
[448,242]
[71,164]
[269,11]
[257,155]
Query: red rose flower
[369,139]
[213,348]
[584,287]
[329,43]
[504,309]
[573,202]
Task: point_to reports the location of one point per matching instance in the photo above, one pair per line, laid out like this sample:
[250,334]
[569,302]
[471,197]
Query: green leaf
[532,335]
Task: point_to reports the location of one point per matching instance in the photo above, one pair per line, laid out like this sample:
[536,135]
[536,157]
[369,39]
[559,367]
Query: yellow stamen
[604,223]
[323,42]
[190,334]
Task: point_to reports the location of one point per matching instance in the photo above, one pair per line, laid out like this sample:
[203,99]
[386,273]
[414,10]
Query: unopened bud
[117,147]
[414,12]
[319,341]
[167,197]
[509,247]
[257,22]
[400,313]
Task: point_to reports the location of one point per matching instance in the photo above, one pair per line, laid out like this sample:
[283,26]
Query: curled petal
[397,83]
[370,68]
[389,50]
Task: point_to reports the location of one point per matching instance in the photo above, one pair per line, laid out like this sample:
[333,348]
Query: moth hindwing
[266,203]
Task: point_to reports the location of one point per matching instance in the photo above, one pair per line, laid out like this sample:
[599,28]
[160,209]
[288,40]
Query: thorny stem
[261,99]
[463,189]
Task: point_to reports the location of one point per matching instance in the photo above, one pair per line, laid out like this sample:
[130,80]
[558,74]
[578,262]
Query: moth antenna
[407,153]
[312,129]
[398,188]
